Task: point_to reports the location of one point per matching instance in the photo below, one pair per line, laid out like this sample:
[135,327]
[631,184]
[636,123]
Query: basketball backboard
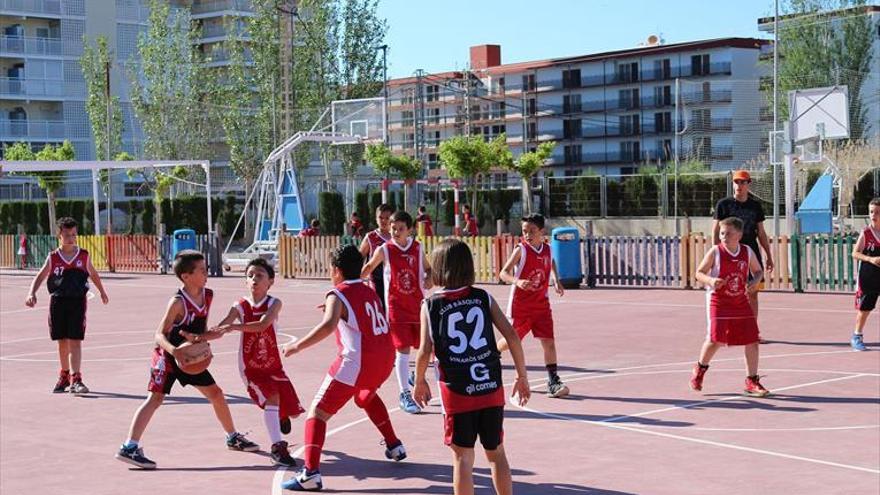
[818,113]
[363,119]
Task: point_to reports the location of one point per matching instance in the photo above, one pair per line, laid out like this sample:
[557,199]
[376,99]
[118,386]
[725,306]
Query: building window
[630,151]
[573,154]
[571,129]
[528,82]
[629,125]
[702,118]
[531,130]
[406,118]
[662,69]
[432,93]
[532,107]
[663,96]
[700,65]
[663,121]
[136,190]
[571,104]
[628,72]
[571,78]
[703,147]
[628,99]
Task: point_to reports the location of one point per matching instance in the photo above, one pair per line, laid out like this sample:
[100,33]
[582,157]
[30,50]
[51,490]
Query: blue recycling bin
[565,247]
[182,239]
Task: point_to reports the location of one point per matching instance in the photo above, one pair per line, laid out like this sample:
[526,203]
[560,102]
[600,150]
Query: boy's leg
[708,351]
[861,319]
[751,352]
[555,387]
[214,394]
[64,354]
[753,385]
[272,418]
[313,437]
[372,404]
[75,349]
[401,368]
[500,471]
[753,302]
[143,415]
[462,470]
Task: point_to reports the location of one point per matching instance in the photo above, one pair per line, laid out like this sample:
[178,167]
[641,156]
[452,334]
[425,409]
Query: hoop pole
[96,207]
[207,167]
[385,191]
[789,194]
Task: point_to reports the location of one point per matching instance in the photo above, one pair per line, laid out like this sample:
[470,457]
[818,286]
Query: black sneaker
[135,456]
[556,389]
[285,425]
[238,442]
[281,456]
[62,384]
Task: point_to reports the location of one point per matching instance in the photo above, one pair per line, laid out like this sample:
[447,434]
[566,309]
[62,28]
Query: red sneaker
[62,383]
[697,377]
[754,387]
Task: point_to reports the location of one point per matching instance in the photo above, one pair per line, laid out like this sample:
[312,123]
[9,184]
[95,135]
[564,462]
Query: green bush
[331,213]
[148,220]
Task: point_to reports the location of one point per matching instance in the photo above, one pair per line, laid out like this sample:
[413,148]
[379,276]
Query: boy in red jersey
[456,327]
[528,271]
[424,220]
[365,356]
[355,225]
[372,242]
[69,269]
[867,251]
[730,272]
[407,276]
[185,320]
[259,361]
[470,222]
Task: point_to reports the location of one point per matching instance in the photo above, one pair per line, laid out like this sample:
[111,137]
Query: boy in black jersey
[185,320]
[867,250]
[68,269]
[457,328]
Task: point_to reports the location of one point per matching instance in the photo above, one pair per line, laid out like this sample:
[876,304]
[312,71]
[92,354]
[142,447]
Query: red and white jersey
[535,266]
[68,277]
[258,351]
[731,300]
[377,239]
[404,276]
[365,353]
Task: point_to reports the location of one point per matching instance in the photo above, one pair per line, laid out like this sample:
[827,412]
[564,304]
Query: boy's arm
[756,271]
[255,326]
[764,241]
[332,313]
[506,274]
[421,390]
[365,247]
[705,267]
[429,280]
[556,283]
[213,333]
[376,260]
[857,252]
[31,300]
[93,274]
[521,388]
[172,313]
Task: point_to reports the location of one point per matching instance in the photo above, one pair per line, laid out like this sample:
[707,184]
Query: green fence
[824,263]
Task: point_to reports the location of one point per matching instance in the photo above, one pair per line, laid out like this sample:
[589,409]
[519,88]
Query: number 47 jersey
[464,344]
[365,353]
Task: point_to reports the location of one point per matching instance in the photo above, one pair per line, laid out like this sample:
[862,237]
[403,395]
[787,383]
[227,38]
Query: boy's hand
[190,337]
[422,393]
[717,283]
[290,349]
[875,260]
[560,291]
[31,300]
[521,391]
[524,284]
[104,298]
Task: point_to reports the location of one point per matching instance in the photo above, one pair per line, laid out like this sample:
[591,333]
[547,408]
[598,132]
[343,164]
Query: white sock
[270,417]
[401,370]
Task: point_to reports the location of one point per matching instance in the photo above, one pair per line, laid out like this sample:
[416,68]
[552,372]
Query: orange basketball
[195,358]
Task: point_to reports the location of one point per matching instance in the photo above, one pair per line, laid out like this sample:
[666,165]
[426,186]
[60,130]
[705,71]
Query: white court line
[31,339]
[701,306]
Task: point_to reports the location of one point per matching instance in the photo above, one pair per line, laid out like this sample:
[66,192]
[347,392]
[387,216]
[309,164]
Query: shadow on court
[641,420]
[743,403]
[170,400]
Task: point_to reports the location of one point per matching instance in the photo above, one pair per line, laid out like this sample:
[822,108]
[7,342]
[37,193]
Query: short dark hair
[261,263]
[66,223]
[349,259]
[185,261]
[734,222]
[535,218]
[354,214]
[466,206]
[874,202]
[384,207]
[402,216]
[452,264]
[422,208]
[315,222]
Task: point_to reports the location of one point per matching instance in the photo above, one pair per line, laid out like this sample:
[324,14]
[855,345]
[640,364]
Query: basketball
[196,357]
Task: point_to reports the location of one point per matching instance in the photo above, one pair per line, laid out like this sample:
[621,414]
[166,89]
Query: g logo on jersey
[479,372]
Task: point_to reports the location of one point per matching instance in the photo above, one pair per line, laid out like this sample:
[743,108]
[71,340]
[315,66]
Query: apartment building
[608,112]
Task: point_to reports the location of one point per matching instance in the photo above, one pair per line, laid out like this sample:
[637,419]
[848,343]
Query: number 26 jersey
[466,351]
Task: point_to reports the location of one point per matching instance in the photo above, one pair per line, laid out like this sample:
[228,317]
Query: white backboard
[363,118]
[819,113]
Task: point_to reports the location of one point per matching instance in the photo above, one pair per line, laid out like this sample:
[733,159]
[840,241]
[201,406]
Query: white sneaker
[398,453]
[304,482]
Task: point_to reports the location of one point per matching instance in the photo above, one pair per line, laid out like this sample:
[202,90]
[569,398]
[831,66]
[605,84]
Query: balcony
[714,96]
[713,69]
[32,130]
[16,88]
[52,7]
[18,45]
[215,30]
[216,6]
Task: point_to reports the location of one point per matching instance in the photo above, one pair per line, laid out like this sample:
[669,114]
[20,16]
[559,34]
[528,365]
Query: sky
[435,35]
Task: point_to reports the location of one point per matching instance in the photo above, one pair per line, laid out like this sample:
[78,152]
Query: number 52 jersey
[365,353]
[464,344]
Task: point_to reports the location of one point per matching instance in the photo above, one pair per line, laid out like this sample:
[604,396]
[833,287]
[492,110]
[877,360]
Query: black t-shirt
[750,212]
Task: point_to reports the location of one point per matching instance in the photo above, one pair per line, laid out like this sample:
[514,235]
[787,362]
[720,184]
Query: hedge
[331,213]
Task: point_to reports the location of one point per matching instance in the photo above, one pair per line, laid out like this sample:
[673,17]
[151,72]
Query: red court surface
[631,425]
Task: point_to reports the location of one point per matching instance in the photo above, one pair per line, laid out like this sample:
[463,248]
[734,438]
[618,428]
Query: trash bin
[565,247]
[182,239]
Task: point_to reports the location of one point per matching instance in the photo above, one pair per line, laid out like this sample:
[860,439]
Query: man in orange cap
[748,210]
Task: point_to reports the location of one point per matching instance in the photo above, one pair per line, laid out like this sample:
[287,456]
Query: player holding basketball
[528,271]
[867,251]
[730,271]
[365,356]
[374,241]
[185,320]
[68,269]
[259,361]
[456,327]
[407,276]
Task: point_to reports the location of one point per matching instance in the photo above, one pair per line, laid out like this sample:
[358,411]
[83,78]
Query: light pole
[384,49]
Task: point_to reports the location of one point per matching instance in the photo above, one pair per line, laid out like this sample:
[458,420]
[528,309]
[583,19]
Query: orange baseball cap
[742,175]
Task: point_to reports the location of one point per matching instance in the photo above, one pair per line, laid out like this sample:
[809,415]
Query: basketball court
[631,425]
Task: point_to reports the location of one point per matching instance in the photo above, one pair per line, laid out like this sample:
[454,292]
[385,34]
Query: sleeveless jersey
[258,351]
[869,274]
[731,300]
[429,225]
[377,240]
[470,225]
[68,277]
[195,317]
[404,273]
[464,344]
[534,266]
[365,354]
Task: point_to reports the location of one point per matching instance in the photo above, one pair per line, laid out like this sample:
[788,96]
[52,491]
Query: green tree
[387,164]
[467,158]
[50,182]
[821,45]
[95,62]
[527,165]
